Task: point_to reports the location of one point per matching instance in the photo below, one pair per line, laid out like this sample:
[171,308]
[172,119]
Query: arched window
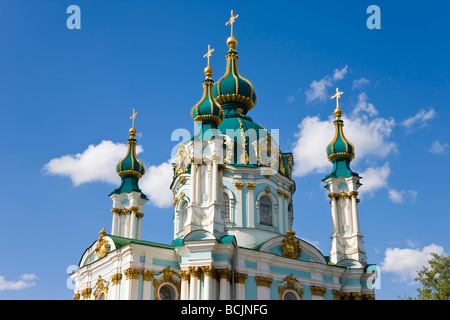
[265,211]
[226,207]
[290,295]
[167,292]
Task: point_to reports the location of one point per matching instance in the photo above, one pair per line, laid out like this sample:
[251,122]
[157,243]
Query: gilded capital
[337,294]
[76,296]
[195,272]
[116,278]
[280,193]
[148,275]
[263,281]
[239,185]
[86,293]
[251,186]
[132,273]
[333,195]
[318,291]
[185,275]
[240,277]
[133,209]
[208,271]
[224,274]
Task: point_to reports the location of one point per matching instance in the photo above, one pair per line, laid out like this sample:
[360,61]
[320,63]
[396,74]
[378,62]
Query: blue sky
[66,97]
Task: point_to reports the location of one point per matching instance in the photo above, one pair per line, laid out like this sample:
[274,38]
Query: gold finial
[231,21]
[133,130]
[208,69]
[133,116]
[232,41]
[337,111]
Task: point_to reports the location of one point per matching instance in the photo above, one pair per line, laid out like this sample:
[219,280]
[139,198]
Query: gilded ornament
[208,270]
[290,284]
[290,246]
[185,275]
[76,296]
[101,286]
[148,275]
[166,278]
[267,189]
[224,274]
[333,195]
[280,193]
[337,294]
[102,247]
[86,293]
[251,186]
[182,180]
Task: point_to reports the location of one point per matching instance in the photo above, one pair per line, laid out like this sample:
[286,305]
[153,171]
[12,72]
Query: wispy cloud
[25,281]
[318,89]
[419,120]
[359,83]
[402,196]
[438,148]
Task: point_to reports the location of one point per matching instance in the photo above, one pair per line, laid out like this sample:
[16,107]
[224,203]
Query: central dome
[233,88]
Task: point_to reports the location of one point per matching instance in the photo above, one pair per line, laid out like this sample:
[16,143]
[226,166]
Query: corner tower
[128,199]
[343,184]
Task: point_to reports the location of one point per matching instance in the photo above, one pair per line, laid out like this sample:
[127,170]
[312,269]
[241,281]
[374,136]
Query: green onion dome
[233,89]
[130,165]
[340,147]
[208,109]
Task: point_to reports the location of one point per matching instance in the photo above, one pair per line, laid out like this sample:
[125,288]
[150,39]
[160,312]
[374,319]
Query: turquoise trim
[287,271]
[141,287]
[251,264]
[166,263]
[250,288]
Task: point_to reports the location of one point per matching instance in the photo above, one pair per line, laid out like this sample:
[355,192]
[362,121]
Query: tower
[128,199]
[343,185]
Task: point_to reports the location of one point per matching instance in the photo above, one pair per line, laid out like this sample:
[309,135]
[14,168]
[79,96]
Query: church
[233,212]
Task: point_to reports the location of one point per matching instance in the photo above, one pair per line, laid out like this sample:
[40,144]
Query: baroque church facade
[233,214]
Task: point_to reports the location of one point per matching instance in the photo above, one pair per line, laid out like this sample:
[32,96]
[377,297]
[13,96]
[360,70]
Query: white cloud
[362,106]
[318,90]
[24,282]
[401,196]
[359,83]
[406,262]
[339,74]
[291,99]
[156,184]
[419,120]
[374,178]
[98,162]
[437,147]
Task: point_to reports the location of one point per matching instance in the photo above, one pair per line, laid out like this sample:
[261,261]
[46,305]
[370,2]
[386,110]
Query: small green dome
[232,87]
[340,147]
[130,165]
[208,109]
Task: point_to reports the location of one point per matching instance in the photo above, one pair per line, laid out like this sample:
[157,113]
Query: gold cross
[231,21]
[208,54]
[337,96]
[133,116]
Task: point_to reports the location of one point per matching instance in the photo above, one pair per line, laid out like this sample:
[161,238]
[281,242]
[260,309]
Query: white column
[139,222]
[224,284]
[251,205]
[263,287]
[238,217]
[286,213]
[194,286]
[215,182]
[132,230]
[193,182]
[280,211]
[355,214]
[184,284]
[208,282]
[114,223]
[239,283]
[148,275]
[334,217]
[198,187]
